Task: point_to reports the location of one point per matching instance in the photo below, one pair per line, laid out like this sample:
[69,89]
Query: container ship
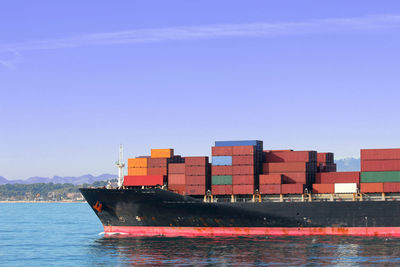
[248,190]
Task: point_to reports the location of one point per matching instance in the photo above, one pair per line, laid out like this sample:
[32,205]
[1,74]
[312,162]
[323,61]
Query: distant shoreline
[27,201]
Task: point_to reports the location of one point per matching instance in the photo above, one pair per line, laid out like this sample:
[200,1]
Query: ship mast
[120,165]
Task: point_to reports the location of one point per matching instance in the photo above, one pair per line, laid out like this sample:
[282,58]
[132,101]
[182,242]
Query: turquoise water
[66,234]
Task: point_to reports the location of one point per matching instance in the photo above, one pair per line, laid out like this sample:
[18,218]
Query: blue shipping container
[222,160]
[239,143]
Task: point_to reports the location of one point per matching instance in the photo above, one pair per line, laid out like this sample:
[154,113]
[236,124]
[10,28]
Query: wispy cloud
[10,59]
[366,23]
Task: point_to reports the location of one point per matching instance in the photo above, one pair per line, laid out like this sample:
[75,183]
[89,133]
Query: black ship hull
[151,212]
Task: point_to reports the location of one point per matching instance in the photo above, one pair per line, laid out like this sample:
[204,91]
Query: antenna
[120,165]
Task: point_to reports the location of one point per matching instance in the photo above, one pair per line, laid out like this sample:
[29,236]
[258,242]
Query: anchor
[98,206]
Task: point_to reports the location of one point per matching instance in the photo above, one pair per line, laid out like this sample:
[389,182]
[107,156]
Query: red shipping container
[176,179]
[296,178]
[196,170]
[222,189]
[270,189]
[292,188]
[243,189]
[176,168]
[194,190]
[243,150]
[157,162]
[243,169]
[275,178]
[195,179]
[243,160]
[145,180]
[326,157]
[222,151]
[242,179]
[196,161]
[280,167]
[379,154]
[177,188]
[380,165]
[222,170]
[290,156]
[157,171]
[371,187]
[323,188]
[337,177]
[391,187]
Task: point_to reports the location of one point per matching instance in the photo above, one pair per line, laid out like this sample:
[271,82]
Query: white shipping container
[343,188]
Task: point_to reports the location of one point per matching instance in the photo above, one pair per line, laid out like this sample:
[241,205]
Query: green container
[221,179]
[380,177]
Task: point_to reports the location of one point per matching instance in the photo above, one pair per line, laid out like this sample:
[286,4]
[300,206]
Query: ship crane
[120,165]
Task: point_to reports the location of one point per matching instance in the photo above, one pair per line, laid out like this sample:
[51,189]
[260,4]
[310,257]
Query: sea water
[69,234]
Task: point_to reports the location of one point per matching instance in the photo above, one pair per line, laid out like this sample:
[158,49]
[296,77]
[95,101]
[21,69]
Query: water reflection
[311,251]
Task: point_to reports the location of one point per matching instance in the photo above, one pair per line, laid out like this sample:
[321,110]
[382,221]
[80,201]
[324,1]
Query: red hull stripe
[246,231]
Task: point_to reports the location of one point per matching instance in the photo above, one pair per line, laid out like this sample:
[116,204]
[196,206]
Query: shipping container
[275,178]
[280,167]
[243,189]
[176,168]
[297,177]
[243,170]
[145,180]
[270,189]
[291,156]
[380,177]
[292,188]
[196,161]
[158,162]
[244,150]
[222,189]
[196,170]
[194,190]
[137,171]
[157,171]
[380,154]
[380,165]
[326,157]
[337,177]
[176,179]
[243,160]
[222,160]
[256,143]
[323,188]
[221,180]
[391,187]
[222,170]
[346,188]
[162,153]
[137,163]
[371,187]
[222,151]
[196,180]
[242,179]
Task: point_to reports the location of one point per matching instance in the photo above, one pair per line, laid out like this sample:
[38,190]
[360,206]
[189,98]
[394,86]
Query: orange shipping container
[137,163]
[137,171]
[242,179]
[176,179]
[371,187]
[157,171]
[274,178]
[323,188]
[222,151]
[176,168]
[221,170]
[243,150]
[243,170]
[162,153]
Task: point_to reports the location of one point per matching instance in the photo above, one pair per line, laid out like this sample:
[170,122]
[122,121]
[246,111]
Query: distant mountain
[88,178]
[348,165]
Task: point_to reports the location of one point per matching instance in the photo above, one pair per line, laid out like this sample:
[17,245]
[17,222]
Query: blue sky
[77,78]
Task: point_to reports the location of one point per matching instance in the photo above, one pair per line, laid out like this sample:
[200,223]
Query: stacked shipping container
[325,162]
[287,171]
[235,167]
[380,170]
[336,182]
